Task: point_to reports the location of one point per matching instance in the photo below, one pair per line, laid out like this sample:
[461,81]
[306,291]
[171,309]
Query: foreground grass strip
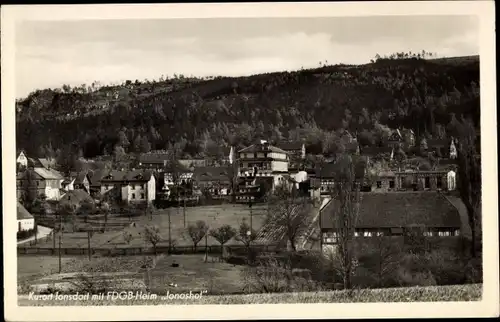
[460,293]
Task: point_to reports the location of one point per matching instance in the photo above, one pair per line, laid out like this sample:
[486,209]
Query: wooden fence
[133,251]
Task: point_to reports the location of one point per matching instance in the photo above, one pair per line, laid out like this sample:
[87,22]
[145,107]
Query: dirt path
[42,231]
[462,210]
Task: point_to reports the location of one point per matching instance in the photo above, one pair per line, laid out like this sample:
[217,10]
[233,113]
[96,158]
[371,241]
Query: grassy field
[471,292]
[192,274]
[214,216]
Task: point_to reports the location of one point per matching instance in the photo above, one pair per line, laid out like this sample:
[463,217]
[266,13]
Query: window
[367,234]
[142,196]
[457,232]
[37,183]
[379,184]
[133,196]
[379,233]
[391,184]
[427,183]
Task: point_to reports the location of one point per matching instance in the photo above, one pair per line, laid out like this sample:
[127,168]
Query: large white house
[134,186]
[25,221]
[40,181]
[264,160]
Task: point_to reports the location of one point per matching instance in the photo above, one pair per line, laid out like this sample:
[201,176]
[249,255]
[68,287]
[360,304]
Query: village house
[263,160]
[136,186]
[22,159]
[388,180]
[393,214]
[75,198]
[36,182]
[191,164]
[155,161]
[295,150]
[395,140]
[215,180]
[25,221]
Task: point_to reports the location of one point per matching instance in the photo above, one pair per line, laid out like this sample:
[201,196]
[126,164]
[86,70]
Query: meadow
[213,216]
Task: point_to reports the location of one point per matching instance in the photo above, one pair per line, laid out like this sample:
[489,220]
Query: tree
[152,235]
[469,178]
[386,256]
[346,193]
[105,210]
[197,231]
[291,212]
[246,235]
[150,211]
[145,146]
[223,234]
[86,209]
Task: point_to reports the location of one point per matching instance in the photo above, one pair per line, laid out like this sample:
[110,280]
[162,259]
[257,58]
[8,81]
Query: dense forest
[199,116]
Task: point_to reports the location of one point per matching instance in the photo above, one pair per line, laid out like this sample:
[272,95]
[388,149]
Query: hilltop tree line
[311,105]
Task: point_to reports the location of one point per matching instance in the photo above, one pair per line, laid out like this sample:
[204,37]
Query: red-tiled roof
[399,209]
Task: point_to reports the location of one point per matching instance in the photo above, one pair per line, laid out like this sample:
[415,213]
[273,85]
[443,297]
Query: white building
[263,160]
[25,221]
[22,159]
[452,180]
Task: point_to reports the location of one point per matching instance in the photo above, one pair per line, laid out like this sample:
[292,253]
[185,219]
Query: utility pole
[169,231]
[89,235]
[251,213]
[184,209]
[60,241]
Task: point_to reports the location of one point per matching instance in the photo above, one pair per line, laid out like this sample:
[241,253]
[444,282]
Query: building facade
[37,182]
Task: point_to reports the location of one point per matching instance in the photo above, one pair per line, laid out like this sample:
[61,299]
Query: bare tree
[289,212]
[346,194]
[105,210]
[152,235]
[223,234]
[86,209]
[386,258]
[197,231]
[469,177]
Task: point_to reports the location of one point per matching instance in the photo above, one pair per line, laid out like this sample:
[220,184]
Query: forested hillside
[202,115]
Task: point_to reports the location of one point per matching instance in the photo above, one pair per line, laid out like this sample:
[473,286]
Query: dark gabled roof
[435,143]
[154,158]
[22,213]
[212,173]
[48,174]
[375,150]
[126,176]
[399,209]
[76,197]
[80,177]
[112,176]
[290,146]
[396,135]
[262,148]
[96,176]
[47,163]
[138,176]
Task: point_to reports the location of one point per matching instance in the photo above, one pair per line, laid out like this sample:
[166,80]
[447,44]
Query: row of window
[142,196]
[332,237]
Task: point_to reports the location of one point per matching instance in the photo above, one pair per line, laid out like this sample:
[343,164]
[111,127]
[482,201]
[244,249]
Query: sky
[53,53]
